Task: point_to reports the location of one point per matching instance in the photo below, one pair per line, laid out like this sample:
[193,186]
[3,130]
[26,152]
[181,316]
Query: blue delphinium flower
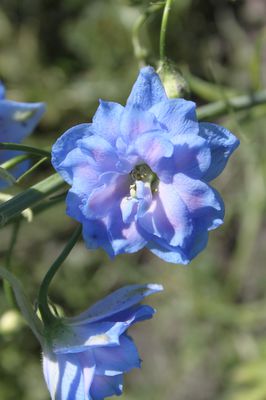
[17,120]
[139,174]
[84,357]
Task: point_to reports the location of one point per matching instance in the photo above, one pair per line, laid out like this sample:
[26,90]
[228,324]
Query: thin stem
[14,161]
[219,108]
[33,168]
[46,314]
[139,50]
[27,149]
[166,12]
[7,288]
[30,197]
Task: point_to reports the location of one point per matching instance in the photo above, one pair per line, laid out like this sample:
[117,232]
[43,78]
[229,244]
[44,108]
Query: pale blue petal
[147,90]
[135,122]
[103,199]
[116,302]
[152,147]
[106,121]
[168,217]
[191,156]
[222,144]
[204,204]
[178,116]
[66,144]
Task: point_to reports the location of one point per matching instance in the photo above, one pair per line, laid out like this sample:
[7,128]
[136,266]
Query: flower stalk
[46,314]
[165,17]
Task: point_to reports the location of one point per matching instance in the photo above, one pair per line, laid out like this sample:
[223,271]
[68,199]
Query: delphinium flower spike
[17,121]
[140,174]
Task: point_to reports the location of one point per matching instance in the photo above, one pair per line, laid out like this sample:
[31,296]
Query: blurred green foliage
[208,340]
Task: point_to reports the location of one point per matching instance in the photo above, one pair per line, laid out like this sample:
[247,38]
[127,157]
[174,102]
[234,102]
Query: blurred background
[208,339]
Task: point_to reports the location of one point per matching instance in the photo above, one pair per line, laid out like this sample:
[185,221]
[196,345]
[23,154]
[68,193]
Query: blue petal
[147,90]
[152,147]
[64,145]
[193,244]
[95,234]
[105,386]
[17,120]
[136,122]
[2,91]
[124,238]
[76,338]
[204,203]
[191,156]
[178,116]
[106,121]
[222,143]
[168,218]
[105,198]
[111,361]
[118,301]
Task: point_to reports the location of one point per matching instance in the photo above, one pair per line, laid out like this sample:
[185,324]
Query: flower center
[142,172]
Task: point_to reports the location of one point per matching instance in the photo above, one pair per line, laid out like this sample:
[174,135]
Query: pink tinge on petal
[195,194]
[107,197]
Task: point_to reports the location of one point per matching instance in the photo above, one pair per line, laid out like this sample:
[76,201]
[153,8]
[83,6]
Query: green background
[207,340]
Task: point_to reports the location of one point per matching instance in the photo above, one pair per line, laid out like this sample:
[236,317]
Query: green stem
[33,168]
[14,161]
[29,197]
[166,12]
[219,108]
[139,50]
[7,288]
[27,149]
[46,314]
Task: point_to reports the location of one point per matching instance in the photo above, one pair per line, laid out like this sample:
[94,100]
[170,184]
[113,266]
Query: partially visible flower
[17,120]
[84,357]
[140,174]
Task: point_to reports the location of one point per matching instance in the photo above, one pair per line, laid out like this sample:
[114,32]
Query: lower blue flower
[85,357]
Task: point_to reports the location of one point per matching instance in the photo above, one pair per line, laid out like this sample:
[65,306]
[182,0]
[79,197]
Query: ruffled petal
[204,204]
[17,120]
[191,156]
[105,198]
[106,121]
[116,302]
[65,145]
[111,361]
[152,147]
[167,217]
[125,238]
[105,386]
[134,123]
[102,155]
[192,245]
[147,90]
[178,116]
[222,144]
